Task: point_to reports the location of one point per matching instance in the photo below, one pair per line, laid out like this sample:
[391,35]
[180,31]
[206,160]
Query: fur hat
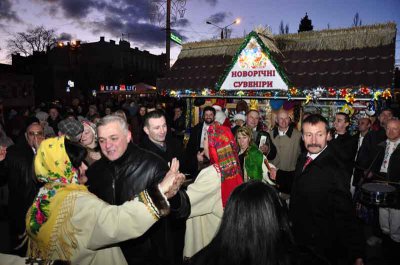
[239,116]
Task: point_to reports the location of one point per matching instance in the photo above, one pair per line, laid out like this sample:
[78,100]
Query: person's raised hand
[173,180]
[200,156]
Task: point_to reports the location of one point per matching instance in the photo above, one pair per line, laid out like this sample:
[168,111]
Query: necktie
[308,161]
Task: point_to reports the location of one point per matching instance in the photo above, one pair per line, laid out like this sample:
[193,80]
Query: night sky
[87,20]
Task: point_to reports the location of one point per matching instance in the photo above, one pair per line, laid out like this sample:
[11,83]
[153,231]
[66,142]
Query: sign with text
[253,70]
[121,87]
[176,38]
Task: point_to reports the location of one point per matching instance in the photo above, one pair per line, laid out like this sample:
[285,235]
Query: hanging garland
[348,94]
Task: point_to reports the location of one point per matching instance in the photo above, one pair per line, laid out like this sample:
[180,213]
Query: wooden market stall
[329,68]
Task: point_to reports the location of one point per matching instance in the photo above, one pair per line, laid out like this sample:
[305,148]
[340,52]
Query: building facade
[70,70]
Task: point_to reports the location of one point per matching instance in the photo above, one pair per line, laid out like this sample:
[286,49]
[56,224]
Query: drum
[378,194]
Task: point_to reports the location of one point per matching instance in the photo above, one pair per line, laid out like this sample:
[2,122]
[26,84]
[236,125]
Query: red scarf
[224,154]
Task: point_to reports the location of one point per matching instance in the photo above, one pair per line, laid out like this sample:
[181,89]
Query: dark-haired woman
[254,230]
[66,222]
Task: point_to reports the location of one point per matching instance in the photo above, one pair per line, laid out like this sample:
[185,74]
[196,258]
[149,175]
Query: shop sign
[253,70]
[121,87]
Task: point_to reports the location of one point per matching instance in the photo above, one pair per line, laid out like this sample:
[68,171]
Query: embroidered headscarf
[223,153]
[91,126]
[48,218]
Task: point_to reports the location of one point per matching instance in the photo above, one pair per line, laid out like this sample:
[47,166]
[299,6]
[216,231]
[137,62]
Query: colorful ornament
[365,90]
[293,91]
[308,98]
[377,94]
[386,94]
[347,109]
[240,93]
[349,98]
[332,91]
[318,92]
[343,92]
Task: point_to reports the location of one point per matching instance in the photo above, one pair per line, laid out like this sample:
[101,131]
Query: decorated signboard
[253,69]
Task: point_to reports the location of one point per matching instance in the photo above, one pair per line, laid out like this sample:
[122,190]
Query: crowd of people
[117,184]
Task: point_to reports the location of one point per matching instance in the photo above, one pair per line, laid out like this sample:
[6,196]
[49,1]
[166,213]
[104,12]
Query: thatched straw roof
[338,57]
[339,39]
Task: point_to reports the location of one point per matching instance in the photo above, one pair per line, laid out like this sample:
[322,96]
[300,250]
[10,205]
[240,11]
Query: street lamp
[236,21]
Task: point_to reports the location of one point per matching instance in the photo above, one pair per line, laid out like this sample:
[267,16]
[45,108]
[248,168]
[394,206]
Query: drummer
[387,165]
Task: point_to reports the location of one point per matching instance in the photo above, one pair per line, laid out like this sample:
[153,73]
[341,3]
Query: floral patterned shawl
[47,220]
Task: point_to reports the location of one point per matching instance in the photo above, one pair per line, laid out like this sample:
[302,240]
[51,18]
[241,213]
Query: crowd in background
[312,178]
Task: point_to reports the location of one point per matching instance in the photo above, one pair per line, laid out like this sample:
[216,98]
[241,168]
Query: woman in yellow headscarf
[67,222]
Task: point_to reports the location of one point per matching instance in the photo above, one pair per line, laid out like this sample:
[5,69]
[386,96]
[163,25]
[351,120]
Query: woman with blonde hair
[253,162]
[89,141]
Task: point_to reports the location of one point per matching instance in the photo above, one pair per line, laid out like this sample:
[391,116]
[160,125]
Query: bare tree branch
[33,40]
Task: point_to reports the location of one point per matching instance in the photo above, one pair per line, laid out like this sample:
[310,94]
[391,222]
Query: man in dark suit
[321,208]
[195,144]
[364,125]
[16,170]
[372,139]
[342,143]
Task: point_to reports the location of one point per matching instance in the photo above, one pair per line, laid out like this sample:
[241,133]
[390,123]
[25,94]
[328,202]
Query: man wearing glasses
[16,171]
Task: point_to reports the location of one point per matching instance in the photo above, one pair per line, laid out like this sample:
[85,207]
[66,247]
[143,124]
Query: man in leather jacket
[124,171]
[16,170]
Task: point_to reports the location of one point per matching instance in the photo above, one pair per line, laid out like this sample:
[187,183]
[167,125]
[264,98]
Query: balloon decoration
[276,104]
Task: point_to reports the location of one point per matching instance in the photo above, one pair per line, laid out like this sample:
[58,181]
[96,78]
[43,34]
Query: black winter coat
[345,148]
[119,181]
[173,149]
[321,209]
[192,147]
[371,140]
[17,170]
